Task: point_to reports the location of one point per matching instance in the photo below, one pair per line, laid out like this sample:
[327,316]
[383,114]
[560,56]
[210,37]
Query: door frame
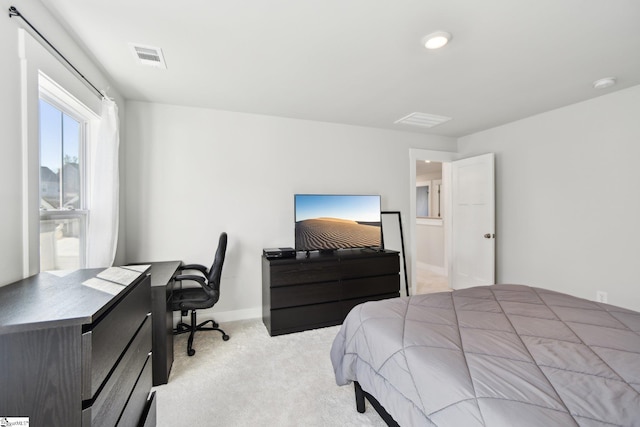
[445,157]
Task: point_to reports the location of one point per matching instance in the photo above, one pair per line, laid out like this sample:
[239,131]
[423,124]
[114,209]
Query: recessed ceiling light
[436,40]
[604,83]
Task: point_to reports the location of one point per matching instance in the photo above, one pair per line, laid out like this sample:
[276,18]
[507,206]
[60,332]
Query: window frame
[55,95]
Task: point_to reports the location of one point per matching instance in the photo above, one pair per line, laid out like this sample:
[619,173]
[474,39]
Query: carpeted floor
[257,380]
[428,281]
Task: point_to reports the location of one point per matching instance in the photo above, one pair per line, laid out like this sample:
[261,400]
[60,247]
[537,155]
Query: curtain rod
[14,12]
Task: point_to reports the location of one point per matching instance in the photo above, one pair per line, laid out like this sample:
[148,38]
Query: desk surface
[163,272]
[46,299]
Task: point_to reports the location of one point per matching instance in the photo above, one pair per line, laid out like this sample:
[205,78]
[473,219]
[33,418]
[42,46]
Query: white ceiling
[360,62]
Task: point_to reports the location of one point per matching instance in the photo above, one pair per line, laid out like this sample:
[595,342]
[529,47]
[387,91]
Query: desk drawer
[111,400]
[105,343]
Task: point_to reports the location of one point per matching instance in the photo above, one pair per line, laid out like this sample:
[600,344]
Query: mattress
[501,355]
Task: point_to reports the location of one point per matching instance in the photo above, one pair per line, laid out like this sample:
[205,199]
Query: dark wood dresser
[319,290]
[75,350]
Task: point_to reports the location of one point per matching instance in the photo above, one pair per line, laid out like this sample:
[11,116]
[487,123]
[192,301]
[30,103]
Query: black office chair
[205,296]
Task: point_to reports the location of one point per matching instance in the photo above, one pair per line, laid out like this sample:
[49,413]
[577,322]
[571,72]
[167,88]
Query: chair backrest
[215,271]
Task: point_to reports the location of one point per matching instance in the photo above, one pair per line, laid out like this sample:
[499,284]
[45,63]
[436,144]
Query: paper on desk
[137,267]
[119,275]
[104,286]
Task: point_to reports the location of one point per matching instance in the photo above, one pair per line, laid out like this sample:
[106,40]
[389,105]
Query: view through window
[63,212]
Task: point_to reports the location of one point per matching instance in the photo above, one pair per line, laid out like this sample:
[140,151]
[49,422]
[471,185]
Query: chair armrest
[201,268]
[201,281]
[184,277]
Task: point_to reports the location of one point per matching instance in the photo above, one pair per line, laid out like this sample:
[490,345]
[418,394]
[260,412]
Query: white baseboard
[245,314]
[432,268]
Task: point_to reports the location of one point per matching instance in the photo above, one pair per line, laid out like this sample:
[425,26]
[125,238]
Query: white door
[473,222]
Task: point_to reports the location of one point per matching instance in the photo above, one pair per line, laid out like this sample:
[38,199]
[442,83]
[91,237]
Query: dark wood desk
[74,350]
[162,283]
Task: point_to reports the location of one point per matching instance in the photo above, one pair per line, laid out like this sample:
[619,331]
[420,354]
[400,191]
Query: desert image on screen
[334,233]
[337,222]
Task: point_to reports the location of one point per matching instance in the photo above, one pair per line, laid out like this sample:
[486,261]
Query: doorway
[467,198]
[431,262]
[422,269]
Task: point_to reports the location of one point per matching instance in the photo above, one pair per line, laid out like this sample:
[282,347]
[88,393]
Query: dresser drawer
[105,343]
[297,273]
[306,316]
[355,288]
[133,414]
[347,305]
[149,416]
[367,267]
[314,293]
[111,400]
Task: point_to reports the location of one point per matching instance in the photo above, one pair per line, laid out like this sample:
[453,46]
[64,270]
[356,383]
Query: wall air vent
[148,55]
[423,120]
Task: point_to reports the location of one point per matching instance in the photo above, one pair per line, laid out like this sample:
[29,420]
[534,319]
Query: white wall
[430,243]
[193,173]
[12,243]
[568,209]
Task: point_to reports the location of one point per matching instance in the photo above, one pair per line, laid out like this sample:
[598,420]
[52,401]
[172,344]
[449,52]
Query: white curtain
[102,233]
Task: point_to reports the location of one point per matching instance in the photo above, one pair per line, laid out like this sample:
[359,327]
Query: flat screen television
[327,222]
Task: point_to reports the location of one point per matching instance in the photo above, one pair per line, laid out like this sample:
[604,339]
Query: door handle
[489,236]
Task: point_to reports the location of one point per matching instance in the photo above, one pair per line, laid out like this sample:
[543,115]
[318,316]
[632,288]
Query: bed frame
[360,405]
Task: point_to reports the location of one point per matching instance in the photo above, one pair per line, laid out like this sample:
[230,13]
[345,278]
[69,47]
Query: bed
[501,355]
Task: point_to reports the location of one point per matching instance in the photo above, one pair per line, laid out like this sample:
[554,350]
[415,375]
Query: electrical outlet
[601,296]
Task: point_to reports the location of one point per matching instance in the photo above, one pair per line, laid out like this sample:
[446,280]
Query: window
[428,199]
[422,200]
[63,210]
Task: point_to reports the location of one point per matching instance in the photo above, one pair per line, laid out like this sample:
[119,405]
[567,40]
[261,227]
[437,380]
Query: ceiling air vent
[148,55]
[423,120]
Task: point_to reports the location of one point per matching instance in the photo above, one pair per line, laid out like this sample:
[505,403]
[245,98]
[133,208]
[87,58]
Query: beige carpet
[257,380]
[428,281]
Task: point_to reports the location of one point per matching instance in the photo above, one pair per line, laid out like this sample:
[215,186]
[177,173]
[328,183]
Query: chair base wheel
[225,337]
[191,352]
